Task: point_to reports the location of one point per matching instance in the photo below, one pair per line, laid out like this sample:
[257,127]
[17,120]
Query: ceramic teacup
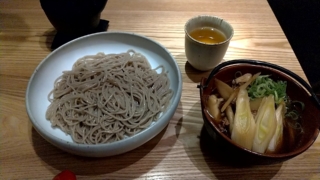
[201,54]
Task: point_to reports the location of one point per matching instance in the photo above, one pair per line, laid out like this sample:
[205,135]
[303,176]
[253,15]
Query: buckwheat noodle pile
[106,98]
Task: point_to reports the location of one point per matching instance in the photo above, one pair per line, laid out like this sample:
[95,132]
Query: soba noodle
[106,98]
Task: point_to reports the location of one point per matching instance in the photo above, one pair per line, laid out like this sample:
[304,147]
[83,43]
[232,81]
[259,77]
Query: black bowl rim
[276,67]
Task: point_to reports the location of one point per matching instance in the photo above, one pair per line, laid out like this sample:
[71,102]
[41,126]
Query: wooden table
[177,152]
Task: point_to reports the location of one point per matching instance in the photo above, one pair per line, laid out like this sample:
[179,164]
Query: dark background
[300,22]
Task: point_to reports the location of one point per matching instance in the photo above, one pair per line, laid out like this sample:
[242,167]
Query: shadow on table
[60,160]
[94,166]
[193,74]
[186,69]
[46,39]
[217,157]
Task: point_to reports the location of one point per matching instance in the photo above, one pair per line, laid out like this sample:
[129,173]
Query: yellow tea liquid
[208,35]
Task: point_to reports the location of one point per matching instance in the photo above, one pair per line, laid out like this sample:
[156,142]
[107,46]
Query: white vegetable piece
[277,137]
[244,124]
[266,124]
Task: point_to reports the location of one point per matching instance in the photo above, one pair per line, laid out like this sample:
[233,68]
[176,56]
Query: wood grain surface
[182,150]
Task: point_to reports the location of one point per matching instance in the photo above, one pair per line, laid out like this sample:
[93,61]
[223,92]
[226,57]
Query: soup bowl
[297,89]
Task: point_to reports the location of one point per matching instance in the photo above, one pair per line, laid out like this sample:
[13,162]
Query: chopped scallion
[264,86]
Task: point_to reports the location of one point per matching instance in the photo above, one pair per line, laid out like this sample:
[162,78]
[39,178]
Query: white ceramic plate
[42,80]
